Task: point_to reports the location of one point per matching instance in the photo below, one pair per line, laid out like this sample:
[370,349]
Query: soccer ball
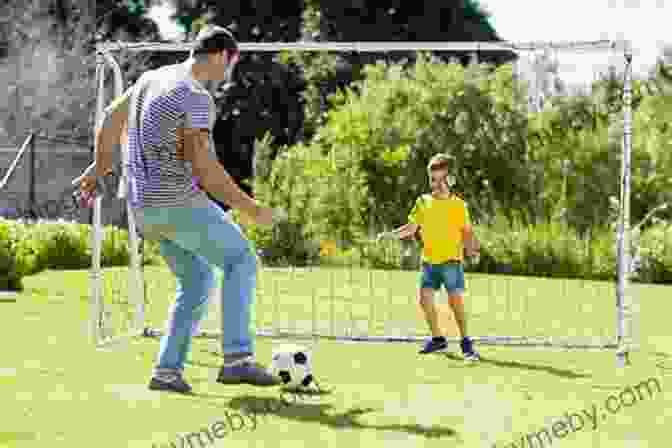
[292,364]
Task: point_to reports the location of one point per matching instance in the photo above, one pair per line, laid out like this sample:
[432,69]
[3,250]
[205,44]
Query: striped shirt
[161,102]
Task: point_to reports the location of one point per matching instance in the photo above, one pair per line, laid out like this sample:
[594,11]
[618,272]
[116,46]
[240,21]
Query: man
[170,118]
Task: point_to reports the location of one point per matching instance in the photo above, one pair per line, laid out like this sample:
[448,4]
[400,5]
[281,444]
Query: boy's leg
[456,301]
[455,285]
[426,298]
[429,282]
[194,278]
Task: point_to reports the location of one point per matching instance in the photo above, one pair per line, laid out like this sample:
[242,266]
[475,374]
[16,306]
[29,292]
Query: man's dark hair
[214,39]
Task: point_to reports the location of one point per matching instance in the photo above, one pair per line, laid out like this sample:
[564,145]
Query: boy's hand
[384,236]
[472,248]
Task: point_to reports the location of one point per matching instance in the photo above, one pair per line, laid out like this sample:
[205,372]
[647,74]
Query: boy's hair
[439,162]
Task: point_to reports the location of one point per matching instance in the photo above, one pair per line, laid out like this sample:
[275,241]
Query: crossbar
[368,47]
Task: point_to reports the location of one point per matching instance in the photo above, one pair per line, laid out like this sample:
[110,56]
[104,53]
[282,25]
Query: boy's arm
[405,231]
[409,229]
[471,244]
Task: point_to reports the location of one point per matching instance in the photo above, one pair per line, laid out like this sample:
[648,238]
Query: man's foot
[174,384]
[472,356]
[468,350]
[248,372]
[434,345]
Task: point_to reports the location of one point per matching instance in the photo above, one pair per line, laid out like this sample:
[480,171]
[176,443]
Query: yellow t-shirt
[442,222]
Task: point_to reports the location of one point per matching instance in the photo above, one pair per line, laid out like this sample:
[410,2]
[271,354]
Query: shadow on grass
[319,413]
[564,373]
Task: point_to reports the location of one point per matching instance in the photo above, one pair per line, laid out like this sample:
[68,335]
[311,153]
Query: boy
[447,234]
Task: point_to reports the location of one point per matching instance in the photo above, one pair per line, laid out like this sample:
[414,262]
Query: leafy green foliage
[389,125]
[136,7]
[656,254]
[62,245]
[10,272]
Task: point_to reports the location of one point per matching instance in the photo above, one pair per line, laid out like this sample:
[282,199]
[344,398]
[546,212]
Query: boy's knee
[426,296]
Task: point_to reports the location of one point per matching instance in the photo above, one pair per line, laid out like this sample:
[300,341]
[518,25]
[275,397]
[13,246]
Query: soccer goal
[356,304]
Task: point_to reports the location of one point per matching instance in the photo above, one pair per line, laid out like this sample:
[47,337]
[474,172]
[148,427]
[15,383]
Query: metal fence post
[31,181]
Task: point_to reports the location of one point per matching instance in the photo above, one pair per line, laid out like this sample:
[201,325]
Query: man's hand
[87,184]
[87,187]
[267,216]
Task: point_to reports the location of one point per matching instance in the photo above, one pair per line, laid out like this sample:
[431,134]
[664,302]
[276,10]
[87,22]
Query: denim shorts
[450,275]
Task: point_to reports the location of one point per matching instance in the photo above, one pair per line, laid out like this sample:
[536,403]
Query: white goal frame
[624,342]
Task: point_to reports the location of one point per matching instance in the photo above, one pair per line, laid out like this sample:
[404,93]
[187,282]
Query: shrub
[10,273]
[656,255]
[58,245]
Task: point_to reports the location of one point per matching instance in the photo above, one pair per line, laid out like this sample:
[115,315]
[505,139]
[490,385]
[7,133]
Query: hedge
[545,250]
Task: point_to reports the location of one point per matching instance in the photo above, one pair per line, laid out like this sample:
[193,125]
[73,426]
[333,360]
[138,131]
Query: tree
[381,132]
[58,64]
[288,95]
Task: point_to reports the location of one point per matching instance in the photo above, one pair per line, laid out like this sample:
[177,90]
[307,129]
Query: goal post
[114,318]
[622,340]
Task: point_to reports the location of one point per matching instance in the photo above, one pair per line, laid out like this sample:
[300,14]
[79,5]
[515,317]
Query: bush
[63,245]
[547,249]
[655,250]
[334,256]
[59,245]
[284,245]
[10,273]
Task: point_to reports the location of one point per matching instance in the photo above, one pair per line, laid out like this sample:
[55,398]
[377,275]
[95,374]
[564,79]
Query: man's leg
[194,278]
[208,233]
[202,311]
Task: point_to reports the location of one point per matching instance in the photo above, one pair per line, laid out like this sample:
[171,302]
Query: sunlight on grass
[58,391]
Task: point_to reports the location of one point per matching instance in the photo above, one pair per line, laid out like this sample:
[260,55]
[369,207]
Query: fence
[36,181]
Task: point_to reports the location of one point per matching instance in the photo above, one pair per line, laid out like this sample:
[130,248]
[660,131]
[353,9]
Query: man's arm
[212,175]
[109,133]
[112,130]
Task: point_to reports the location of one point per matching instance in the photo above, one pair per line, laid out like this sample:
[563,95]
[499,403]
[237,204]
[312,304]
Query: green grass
[56,390]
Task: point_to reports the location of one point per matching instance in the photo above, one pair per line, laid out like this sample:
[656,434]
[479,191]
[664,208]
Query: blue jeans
[193,240]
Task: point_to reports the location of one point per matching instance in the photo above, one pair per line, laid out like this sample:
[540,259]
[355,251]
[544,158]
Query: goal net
[357,301]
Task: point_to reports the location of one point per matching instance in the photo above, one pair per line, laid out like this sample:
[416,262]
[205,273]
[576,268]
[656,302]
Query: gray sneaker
[176,384]
[248,372]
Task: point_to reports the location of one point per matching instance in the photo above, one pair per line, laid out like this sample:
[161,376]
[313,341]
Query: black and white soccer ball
[292,364]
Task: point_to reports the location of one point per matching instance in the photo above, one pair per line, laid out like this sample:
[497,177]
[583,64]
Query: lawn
[57,390]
